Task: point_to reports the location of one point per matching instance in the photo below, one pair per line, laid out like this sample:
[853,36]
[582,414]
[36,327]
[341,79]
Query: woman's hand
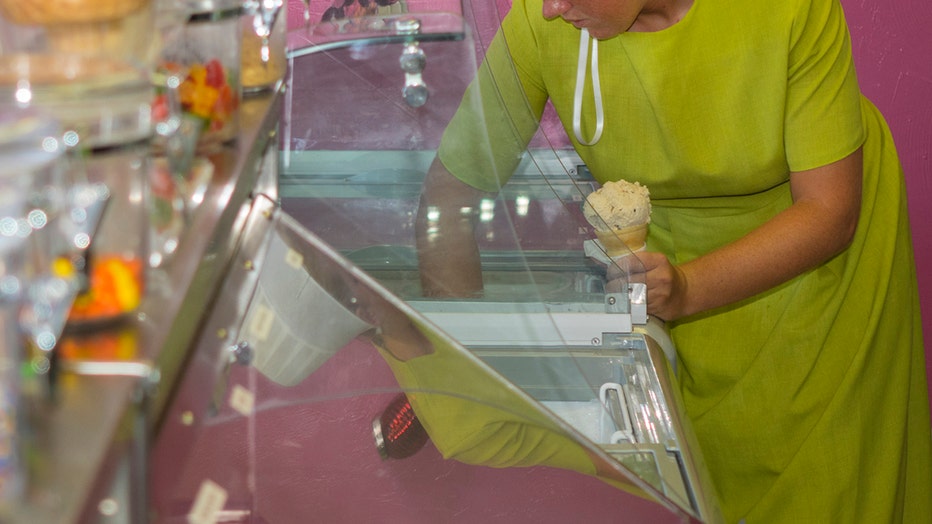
[666,283]
[666,286]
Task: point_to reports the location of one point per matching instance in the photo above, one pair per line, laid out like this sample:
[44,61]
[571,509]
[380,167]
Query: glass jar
[114,264]
[29,156]
[104,107]
[31,191]
[206,57]
[119,29]
[263,62]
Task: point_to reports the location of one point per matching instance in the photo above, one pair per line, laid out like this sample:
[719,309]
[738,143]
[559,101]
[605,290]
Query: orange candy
[115,288]
[206,93]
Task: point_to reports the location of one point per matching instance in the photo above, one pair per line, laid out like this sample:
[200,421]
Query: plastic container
[31,192]
[114,265]
[119,29]
[31,199]
[29,156]
[206,56]
[104,107]
[263,62]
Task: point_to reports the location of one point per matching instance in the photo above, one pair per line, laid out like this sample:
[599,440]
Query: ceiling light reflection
[522,203]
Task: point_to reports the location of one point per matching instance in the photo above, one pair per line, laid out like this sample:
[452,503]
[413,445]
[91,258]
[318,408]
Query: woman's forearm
[819,225]
[448,255]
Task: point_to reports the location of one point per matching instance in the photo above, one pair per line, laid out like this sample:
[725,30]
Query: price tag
[242,400]
[294,259]
[208,503]
[261,324]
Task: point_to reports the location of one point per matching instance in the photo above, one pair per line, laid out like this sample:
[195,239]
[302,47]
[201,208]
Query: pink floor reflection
[308,455]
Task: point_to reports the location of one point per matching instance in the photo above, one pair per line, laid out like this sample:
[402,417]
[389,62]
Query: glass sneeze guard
[327,382]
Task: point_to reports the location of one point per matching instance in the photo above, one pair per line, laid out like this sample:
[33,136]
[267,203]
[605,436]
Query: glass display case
[327,381]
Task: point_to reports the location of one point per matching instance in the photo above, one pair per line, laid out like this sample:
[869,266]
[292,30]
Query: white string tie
[584,42]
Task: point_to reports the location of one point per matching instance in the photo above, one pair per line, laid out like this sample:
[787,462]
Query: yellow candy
[63,268]
[126,284]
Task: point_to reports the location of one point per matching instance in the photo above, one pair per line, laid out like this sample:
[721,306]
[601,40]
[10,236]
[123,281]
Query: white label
[261,324]
[242,400]
[207,505]
[294,259]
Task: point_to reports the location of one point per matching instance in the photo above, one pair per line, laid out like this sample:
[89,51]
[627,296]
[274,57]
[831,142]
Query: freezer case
[325,385]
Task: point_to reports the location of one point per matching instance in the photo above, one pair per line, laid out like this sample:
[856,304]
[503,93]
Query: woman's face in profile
[603,18]
[608,18]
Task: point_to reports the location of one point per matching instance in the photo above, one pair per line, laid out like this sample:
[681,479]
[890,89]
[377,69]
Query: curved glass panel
[392,343]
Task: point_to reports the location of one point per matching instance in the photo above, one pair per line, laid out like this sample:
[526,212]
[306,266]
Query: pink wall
[893,56]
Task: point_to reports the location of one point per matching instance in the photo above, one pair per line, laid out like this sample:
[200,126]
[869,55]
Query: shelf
[101,411]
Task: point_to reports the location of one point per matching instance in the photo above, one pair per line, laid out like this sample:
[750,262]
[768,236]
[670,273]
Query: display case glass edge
[206,257]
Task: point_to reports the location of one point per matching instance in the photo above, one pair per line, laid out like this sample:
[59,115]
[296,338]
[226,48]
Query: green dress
[810,400]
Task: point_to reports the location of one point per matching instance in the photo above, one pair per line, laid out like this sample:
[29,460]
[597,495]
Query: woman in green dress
[779,250]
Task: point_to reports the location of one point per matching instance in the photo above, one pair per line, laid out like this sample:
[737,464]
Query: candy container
[206,60]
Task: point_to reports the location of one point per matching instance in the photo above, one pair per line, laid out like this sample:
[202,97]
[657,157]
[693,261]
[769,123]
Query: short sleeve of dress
[496,119]
[823,116]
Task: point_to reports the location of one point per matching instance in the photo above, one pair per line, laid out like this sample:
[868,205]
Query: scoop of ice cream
[618,205]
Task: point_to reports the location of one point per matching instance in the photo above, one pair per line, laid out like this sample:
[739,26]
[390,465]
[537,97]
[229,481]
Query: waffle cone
[620,242]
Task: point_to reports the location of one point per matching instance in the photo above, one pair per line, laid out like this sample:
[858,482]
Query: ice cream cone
[621,242]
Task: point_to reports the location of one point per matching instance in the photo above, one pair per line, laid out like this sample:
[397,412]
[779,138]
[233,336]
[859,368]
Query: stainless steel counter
[96,424]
